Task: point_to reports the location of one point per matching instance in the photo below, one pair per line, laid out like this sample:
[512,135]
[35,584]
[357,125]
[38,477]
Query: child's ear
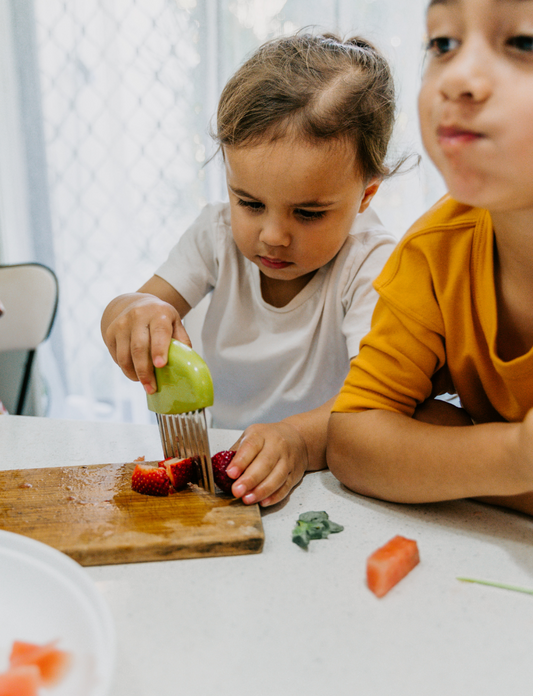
[369,193]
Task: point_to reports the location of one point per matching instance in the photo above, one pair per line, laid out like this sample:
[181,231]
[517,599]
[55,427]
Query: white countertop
[292,623]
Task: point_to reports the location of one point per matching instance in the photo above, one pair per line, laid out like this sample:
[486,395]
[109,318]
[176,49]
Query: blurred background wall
[104,112]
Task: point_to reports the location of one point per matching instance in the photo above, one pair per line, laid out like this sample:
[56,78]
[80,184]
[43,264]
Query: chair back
[29,293]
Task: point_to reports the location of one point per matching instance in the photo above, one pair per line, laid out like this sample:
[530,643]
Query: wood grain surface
[91,514]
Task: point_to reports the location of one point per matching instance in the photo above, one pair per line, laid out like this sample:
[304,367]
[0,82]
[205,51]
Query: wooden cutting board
[91,514]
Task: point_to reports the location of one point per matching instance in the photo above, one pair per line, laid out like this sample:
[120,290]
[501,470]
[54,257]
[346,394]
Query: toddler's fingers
[142,359]
[278,495]
[122,356]
[247,447]
[160,337]
[180,334]
[260,481]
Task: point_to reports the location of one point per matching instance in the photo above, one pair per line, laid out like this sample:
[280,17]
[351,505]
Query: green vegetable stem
[313,525]
[501,585]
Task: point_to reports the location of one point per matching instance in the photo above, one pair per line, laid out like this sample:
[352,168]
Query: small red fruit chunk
[390,563]
[52,663]
[180,471]
[23,680]
[150,480]
[220,462]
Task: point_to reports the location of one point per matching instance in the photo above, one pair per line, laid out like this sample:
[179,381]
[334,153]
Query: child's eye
[440,45]
[522,43]
[309,214]
[251,205]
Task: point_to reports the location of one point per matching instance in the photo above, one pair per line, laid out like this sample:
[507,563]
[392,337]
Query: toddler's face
[293,203]
[476,100]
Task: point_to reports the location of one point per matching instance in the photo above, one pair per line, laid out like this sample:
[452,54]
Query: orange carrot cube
[23,680]
[390,563]
[51,662]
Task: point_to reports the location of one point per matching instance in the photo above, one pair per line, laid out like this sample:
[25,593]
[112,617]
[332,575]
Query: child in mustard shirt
[455,309]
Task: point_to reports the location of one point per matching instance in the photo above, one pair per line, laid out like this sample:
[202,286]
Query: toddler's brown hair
[318,87]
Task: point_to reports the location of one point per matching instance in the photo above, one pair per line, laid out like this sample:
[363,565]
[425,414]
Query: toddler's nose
[275,233]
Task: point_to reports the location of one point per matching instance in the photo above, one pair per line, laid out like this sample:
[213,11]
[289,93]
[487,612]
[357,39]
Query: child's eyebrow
[303,204]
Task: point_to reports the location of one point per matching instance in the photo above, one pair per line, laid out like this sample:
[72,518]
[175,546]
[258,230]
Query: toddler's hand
[139,335]
[271,459]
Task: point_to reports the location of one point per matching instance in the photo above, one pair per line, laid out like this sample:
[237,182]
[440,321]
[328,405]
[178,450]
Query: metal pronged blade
[185,435]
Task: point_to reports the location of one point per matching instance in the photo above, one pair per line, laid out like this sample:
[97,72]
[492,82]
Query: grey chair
[29,293]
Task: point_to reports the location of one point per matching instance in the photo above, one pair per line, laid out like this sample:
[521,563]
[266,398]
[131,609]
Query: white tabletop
[288,622]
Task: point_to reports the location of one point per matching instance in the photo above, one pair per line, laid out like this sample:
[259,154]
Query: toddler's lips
[452,134]
[274,263]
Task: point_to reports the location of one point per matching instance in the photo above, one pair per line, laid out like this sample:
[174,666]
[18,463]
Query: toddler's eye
[522,43]
[440,45]
[251,205]
[309,214]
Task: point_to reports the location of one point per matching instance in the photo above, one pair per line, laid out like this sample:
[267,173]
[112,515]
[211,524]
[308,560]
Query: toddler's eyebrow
[303,204]
[313,204]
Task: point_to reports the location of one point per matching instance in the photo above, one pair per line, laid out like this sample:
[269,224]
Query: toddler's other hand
[271,459]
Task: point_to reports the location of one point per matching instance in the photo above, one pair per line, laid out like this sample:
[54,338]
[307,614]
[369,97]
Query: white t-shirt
[268,362]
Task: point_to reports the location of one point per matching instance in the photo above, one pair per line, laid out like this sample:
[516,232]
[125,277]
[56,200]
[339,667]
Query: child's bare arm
[273,457]
[388,455]
[441,412]
[138,327]
[522,502]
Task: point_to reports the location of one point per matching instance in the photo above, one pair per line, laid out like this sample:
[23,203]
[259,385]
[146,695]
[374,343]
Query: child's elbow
[342,458]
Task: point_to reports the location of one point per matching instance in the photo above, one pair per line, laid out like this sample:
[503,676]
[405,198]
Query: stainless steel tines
[184,390]
[185,435]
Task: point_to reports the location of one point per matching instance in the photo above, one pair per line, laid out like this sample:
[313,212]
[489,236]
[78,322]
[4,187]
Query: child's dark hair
[316,87]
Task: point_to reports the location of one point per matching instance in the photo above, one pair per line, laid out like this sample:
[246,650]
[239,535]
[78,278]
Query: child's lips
[452,135]
[274,263]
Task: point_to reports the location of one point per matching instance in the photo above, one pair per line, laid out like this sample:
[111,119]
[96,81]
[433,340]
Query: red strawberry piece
[150,480]
[180,471]
[221,461]
[196,470]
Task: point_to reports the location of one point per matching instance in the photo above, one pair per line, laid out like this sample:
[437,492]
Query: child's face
[476,100]
[293,203]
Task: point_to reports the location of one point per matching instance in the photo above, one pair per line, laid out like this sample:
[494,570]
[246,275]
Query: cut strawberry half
[180,471]
[220,462]
[150,480]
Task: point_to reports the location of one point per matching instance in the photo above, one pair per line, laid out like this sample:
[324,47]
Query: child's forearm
[313,427]
[391,456]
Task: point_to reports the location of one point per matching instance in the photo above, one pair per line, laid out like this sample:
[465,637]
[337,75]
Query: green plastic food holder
[184,384]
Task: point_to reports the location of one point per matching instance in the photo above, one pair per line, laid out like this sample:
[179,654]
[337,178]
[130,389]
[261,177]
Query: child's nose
[275,233]
[468,75]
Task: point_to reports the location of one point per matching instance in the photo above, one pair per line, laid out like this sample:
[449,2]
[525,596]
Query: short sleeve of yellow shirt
[434,327]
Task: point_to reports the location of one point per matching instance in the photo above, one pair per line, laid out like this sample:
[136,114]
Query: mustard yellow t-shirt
[434,327]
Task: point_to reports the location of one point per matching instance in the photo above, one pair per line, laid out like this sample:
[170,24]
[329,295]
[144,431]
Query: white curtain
[106,118]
